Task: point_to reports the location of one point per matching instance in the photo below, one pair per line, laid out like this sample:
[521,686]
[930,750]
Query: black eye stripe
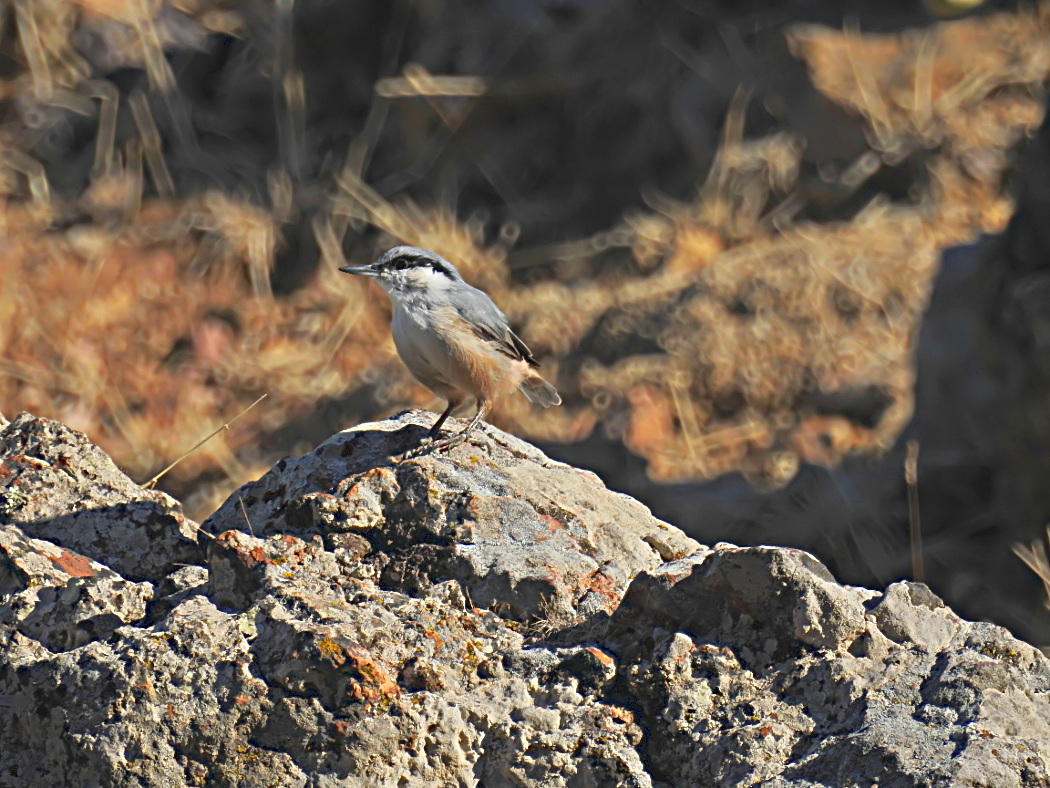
[405,262]
[401,263]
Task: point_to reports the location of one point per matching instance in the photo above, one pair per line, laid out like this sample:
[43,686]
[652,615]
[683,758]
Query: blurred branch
[417,81]
[911,478]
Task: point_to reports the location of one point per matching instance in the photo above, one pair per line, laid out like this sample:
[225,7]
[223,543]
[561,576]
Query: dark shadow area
[983,370]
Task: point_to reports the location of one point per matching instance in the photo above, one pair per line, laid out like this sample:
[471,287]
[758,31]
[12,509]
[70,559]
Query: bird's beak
[359,270]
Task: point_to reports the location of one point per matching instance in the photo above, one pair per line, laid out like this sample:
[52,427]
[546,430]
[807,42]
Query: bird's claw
[431,444]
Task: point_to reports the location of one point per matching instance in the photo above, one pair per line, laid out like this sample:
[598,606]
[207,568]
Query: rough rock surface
[62,599]
[518,530]
[56,485]
[486,617]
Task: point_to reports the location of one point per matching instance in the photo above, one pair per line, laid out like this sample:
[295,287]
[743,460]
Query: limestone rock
[427,623]
[56,485]
[769,600]
[778,676]
[59,598]
[910,612]
[517,529]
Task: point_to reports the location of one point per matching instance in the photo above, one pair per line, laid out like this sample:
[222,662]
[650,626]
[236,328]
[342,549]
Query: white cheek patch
[426,278]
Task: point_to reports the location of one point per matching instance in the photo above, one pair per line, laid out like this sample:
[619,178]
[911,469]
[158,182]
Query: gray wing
[489,323]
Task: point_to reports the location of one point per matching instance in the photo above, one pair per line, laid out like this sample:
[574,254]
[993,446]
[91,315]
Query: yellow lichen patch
[330,650]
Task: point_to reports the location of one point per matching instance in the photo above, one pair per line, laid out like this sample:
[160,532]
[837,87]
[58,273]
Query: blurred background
[769,252]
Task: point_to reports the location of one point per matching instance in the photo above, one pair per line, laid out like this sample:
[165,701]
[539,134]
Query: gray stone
[828,699]
[168,705]
[535,537]
[346,646]
[59,598]
[564,739]
[56,485]
[173,590]
[910,612]
[775,599]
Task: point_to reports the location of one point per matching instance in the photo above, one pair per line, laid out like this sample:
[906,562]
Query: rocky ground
[483,617]
[730,234]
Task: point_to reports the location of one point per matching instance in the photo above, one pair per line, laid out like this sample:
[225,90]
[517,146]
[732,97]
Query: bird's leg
[452,440]
[483,410]
[459,437]
[436,429]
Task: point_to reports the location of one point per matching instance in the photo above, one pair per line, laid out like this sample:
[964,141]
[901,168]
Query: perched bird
[452,337]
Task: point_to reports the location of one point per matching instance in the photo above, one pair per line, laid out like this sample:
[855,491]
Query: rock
[769,601]
[167,705]
[397,685]
[59,598]
[910,612]
[536,537]
[173,590]
[56,485]
[564,740]
[321,651]
[778,676]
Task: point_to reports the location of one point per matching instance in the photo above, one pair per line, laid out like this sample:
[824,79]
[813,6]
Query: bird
[452,337]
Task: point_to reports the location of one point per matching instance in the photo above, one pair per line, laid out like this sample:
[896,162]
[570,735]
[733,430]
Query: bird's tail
[539,391]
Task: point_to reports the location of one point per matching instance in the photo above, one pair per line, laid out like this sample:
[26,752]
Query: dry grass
[1037,558]
[154,323]
[750,311]
[147,336]
[754,310]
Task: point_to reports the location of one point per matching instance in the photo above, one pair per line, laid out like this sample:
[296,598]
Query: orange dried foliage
[154,324]
[147,338]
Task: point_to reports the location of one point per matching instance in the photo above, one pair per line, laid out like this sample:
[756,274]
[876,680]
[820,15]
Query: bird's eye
[400,265]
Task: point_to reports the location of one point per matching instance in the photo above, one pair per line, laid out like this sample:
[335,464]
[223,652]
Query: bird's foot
[431,444]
